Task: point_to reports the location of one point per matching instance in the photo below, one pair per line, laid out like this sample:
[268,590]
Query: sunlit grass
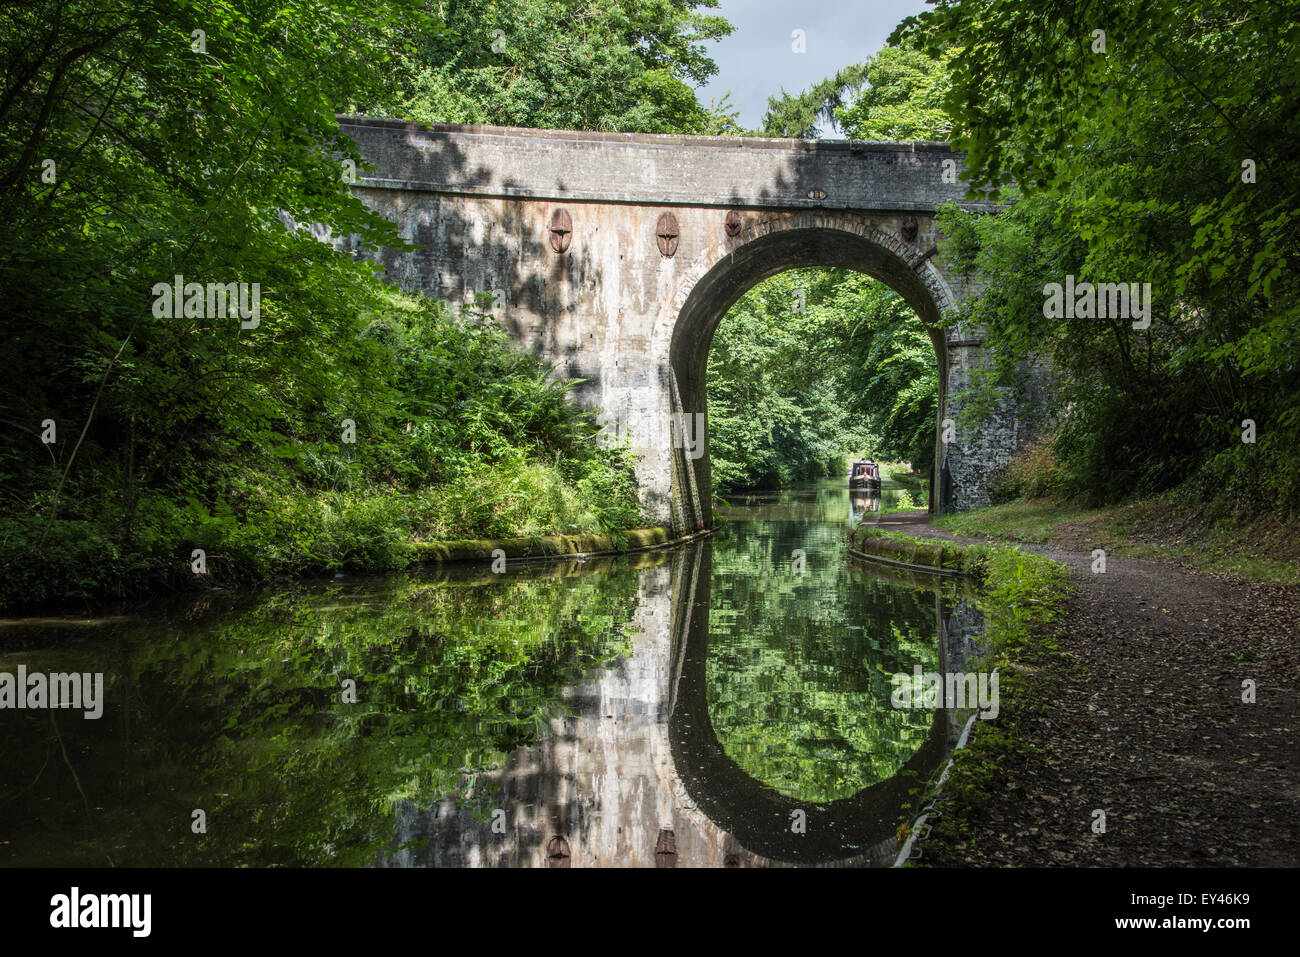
[1259,548]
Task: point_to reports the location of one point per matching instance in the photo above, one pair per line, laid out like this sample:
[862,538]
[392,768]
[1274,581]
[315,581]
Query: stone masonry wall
[613,310]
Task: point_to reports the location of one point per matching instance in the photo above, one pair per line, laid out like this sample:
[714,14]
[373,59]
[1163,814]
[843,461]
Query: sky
[757,60]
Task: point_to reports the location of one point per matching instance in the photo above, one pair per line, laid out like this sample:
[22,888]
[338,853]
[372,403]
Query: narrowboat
[865,474]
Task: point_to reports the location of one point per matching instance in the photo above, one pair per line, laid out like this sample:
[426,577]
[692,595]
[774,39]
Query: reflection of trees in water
[239,711]
[853,831]
[233,706]
[799,672]
[636,777]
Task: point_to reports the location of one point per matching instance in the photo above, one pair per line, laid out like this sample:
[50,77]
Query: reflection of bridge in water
[638,777]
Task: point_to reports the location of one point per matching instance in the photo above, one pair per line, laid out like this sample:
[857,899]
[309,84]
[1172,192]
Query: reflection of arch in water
[631,779]
[756,814]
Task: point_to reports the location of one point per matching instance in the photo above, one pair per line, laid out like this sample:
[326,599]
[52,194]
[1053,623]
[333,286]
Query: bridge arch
[765,247]
[629,318]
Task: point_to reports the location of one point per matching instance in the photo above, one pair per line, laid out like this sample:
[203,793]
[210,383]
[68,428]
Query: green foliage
[904,502]
[899,94]
[1022,593]
[774,419]
[459,436]
[1032,473]
[1019,590]
[238,709]
[810,366]
[800,115]
[1133,165]
[903,99]
[802,702]
[183,431]
[626,65]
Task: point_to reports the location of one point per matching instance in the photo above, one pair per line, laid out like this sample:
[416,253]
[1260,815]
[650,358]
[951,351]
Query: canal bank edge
[551,547]
[1021,595]
[924,555]
[893,549]
[178,577]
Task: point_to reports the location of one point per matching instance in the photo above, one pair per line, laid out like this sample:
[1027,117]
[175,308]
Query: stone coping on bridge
[552,547]
[658,169]
[658,139]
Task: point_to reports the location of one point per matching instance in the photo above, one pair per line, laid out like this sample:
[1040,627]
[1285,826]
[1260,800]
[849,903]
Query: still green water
[800,663]
[676,706]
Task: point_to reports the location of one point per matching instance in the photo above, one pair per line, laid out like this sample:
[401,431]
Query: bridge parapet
[658,169]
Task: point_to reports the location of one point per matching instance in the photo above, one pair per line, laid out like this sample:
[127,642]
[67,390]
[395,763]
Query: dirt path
[1152,728]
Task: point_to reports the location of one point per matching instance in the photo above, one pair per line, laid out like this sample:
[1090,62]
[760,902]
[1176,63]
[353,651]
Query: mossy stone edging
[903,551]
[542,547]
[928,808]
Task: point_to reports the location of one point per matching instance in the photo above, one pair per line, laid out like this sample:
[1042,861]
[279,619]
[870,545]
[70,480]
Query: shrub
[1033,473]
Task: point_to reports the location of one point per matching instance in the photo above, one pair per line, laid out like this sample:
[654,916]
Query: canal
[727,703]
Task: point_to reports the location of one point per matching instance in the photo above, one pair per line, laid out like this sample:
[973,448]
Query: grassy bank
[1019,592]
[426,428]
[307,535]
[1023,603]
[914,486]
[1247,546]
[1022,597]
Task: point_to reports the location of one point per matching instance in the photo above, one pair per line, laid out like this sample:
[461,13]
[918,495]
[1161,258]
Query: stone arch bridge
[614,256]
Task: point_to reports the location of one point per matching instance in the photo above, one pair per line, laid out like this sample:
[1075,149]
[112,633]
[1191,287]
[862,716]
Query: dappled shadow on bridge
[467,243]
